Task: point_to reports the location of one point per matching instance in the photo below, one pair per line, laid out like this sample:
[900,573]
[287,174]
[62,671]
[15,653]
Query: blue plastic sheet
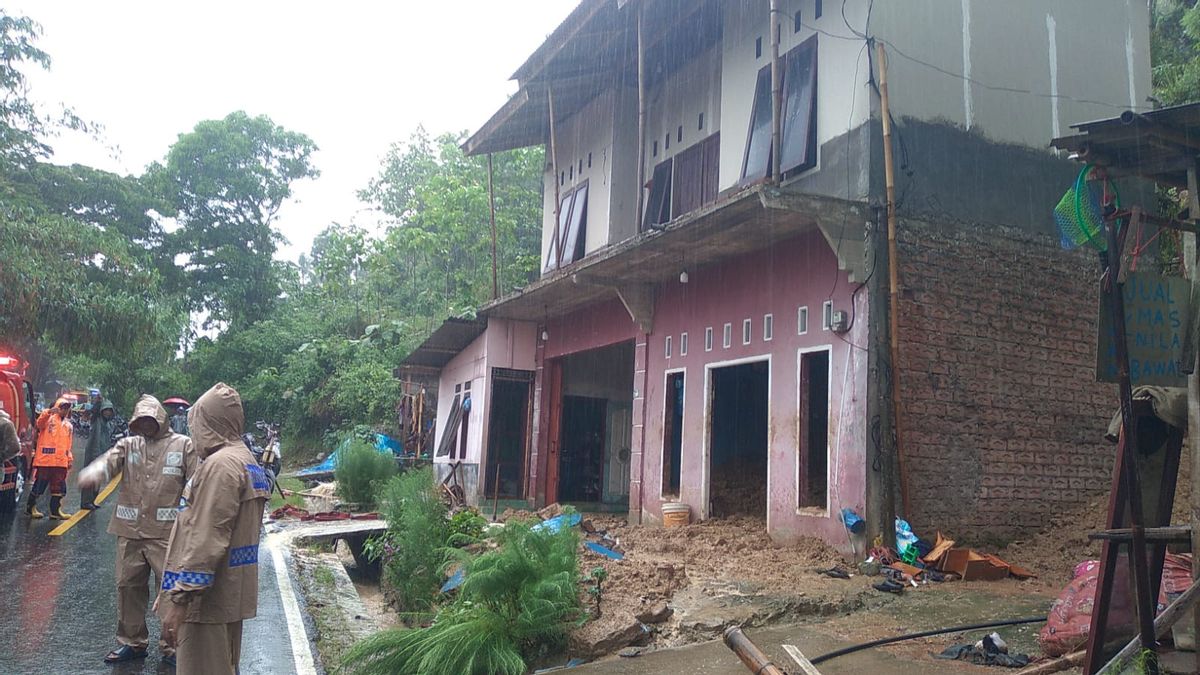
[604,551]
[454,581]
[557,523]
[383,443]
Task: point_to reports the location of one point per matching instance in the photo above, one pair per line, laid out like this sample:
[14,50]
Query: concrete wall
[1078,60]
[800,272]
[1004,413]
[677,103]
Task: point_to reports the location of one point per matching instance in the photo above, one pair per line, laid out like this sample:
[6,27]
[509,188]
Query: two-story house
[711,322]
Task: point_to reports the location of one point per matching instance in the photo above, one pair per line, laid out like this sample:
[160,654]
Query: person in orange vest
[53,458]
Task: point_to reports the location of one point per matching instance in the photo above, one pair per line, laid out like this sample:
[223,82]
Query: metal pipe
[641,89]
[492,213]
[893,275]
[749,653]
[776,94]
[927,633]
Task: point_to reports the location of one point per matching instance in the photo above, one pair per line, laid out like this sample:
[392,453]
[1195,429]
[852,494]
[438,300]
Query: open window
[798,149]
[570,236]
[696,176]
[658,206]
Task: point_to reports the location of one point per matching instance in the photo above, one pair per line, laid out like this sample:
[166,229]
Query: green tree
[1175,50]
[227,180]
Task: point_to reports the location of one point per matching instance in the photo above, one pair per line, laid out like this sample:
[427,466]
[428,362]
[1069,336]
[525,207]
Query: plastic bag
[904,535]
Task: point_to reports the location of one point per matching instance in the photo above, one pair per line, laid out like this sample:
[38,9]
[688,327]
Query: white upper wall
[1078,60]
[1067,60]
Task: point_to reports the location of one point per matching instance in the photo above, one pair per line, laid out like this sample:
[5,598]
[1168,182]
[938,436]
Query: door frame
[706,442]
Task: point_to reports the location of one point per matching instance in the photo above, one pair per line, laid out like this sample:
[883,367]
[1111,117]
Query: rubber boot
[56,512]
[31,508]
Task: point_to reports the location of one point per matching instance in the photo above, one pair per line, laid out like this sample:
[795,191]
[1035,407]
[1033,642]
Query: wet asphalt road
[58,601]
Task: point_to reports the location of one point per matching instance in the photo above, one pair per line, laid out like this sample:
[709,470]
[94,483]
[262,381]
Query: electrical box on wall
[841,321]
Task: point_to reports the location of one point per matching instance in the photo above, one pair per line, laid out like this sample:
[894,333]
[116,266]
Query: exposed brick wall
[1004,414]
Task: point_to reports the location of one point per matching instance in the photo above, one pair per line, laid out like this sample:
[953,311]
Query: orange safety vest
[53,442]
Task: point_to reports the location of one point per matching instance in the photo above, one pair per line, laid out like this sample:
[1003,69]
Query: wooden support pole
[1113,289]
[641,93]
[492,213]
[1193,407]
[749,653]
[776,94]
[1169,617]
[893,277]
[801,660]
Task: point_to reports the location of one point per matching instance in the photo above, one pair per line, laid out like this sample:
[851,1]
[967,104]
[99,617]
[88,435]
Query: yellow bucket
[676,514]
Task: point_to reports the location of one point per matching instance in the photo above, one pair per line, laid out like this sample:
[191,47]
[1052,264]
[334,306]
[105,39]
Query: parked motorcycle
[268,451]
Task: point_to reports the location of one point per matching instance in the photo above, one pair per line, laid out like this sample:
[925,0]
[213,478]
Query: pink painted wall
[778,281]
[505,344]
[599,325]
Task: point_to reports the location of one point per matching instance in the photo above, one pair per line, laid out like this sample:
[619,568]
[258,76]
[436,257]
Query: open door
[553,400]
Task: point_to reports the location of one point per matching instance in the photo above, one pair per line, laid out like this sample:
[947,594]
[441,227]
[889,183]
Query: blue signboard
[1156,311]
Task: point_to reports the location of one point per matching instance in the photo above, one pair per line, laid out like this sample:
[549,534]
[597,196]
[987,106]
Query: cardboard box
[973,566]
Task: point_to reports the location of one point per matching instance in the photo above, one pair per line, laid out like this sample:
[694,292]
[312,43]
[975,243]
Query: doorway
[591,428]
[738,419]
[508,434]
[672,457]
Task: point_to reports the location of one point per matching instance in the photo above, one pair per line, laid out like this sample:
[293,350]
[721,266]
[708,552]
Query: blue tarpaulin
[383,443]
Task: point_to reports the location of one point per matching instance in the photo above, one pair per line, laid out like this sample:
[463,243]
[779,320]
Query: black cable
[927,633]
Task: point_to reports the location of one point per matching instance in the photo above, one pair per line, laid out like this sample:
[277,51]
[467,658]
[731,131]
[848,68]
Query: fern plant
[516,603]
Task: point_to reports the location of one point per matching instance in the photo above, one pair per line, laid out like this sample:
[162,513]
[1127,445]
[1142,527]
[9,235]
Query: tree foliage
[1175,51]
[227,179]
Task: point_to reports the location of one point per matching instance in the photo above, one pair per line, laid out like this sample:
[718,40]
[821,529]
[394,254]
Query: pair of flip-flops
[126,653]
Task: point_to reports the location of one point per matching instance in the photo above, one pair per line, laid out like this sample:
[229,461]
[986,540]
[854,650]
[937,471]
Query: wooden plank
[801,660]
[1173,534]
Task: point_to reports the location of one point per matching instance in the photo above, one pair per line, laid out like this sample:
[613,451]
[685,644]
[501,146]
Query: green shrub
[413,551]
[362,471]
[516,603]
[466,528]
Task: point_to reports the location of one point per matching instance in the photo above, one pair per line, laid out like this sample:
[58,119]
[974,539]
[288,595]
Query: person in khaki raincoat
[154,464]
[52,459]
[211,581]
[10,450]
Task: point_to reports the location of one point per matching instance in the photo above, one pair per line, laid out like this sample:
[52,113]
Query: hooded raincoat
[54,439]
[10,448]
[154,471]
[212,557]
[100,438]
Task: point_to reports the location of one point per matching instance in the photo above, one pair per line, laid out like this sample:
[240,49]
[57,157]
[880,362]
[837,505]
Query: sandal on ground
[125,653]
[889,587]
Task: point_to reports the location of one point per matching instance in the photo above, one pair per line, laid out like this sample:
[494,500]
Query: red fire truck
[16,393]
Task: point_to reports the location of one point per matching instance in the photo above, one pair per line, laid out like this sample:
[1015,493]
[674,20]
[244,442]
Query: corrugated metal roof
[1160,144]
[453,336]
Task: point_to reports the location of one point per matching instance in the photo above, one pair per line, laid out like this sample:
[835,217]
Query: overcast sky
[355,76]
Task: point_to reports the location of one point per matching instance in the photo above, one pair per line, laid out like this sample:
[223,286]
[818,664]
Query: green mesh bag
[1078,214]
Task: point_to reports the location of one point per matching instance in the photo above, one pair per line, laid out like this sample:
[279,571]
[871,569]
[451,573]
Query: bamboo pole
[1058,665]
[555,244]
[893,276]
[492,214]
[776,94]
[641,89]
[749,653]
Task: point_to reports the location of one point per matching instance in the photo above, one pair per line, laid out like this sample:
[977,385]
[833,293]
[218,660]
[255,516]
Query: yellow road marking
[83,513]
